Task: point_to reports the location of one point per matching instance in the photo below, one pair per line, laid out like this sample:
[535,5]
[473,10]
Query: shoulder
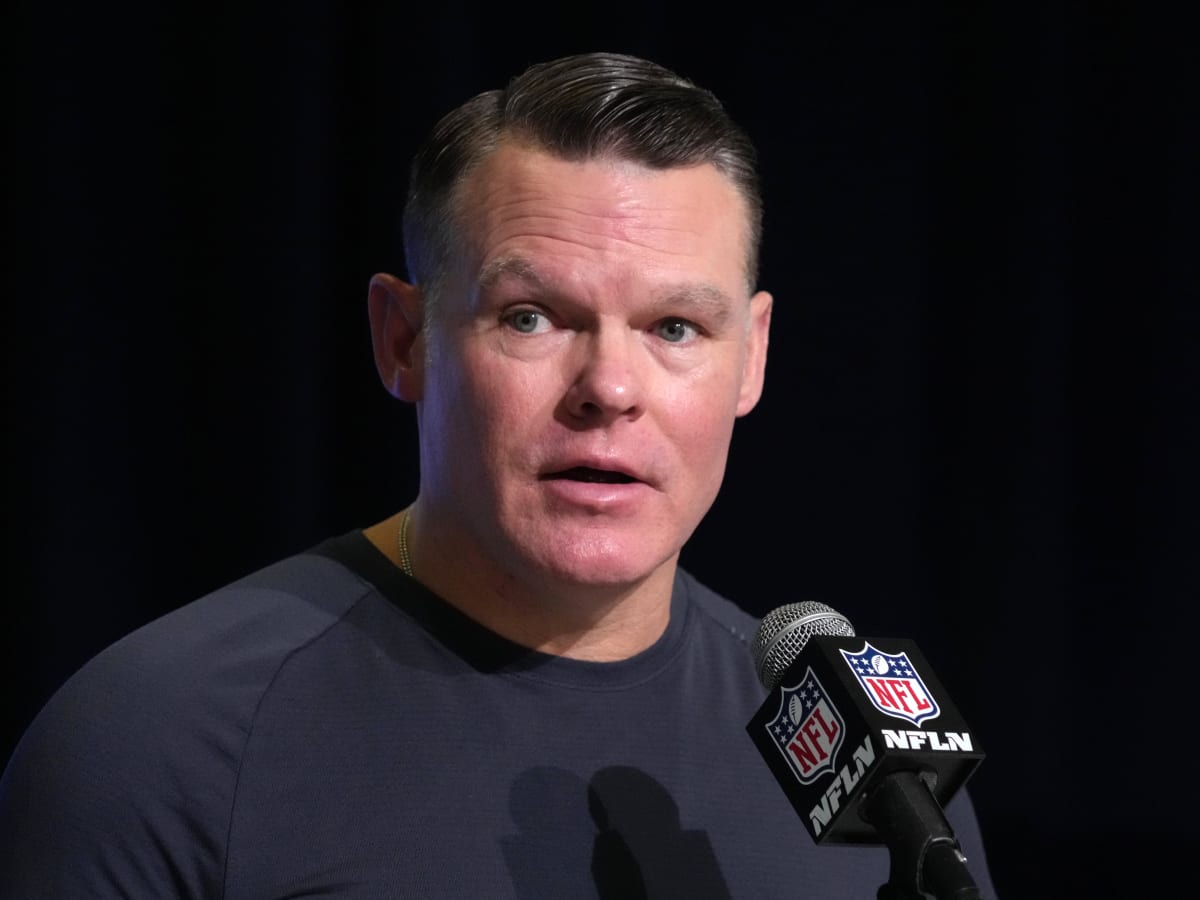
[217,653]
[716,611]
[205,664]
[139,750]
[718,636]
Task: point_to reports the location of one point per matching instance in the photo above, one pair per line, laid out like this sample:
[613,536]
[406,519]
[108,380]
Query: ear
[755,364]
[395,310]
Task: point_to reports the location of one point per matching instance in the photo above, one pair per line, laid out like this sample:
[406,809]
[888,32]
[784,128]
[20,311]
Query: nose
[608,381]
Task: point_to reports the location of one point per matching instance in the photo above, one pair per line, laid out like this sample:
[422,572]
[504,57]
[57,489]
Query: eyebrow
[706,299]
[516,266]
[709,302]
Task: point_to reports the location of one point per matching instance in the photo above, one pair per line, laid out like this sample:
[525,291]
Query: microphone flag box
[847,712]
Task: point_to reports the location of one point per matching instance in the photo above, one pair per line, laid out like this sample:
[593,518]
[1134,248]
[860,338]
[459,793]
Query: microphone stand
[925,857]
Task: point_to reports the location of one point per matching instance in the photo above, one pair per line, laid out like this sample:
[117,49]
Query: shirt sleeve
[117,789]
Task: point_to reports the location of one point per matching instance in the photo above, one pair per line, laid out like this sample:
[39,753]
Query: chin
[587,565]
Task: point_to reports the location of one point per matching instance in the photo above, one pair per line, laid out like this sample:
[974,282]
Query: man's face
[586,363]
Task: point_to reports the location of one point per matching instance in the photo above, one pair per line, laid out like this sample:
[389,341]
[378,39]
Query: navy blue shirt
[328,727]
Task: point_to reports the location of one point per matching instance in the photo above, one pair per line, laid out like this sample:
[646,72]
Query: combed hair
[577,108]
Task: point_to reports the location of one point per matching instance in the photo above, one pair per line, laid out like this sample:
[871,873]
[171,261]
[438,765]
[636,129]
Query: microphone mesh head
[783,633]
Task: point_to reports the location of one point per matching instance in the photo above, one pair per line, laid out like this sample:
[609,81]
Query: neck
[595,622]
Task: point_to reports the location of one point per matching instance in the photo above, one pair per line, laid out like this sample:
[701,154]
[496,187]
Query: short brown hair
[577,108]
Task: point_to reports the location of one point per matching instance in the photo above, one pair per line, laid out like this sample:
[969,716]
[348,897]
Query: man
[508,689]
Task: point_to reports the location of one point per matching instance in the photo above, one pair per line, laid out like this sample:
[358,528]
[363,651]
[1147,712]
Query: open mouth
[594,476]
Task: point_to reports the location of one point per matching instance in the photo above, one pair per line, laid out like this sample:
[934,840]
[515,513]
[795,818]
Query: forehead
[526,202]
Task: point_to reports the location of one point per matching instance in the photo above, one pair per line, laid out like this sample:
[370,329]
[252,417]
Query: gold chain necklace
[405,559]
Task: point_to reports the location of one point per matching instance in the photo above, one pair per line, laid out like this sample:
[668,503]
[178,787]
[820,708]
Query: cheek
[502,400]
[701,427]
[706,405]
[710,445]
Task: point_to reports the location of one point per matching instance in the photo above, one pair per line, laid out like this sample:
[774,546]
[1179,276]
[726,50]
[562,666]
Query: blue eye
[527,321]
[676,331]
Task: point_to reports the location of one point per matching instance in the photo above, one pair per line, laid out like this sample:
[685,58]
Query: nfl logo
[808,729]
[892,683]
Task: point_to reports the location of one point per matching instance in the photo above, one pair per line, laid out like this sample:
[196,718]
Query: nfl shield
[808,729]
[893,684]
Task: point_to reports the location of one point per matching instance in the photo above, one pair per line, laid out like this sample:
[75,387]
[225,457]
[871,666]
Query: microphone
[866,744]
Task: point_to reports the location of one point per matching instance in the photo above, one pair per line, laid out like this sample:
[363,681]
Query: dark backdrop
[979,428]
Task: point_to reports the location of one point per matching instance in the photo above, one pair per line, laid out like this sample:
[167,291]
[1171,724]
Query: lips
[590,475]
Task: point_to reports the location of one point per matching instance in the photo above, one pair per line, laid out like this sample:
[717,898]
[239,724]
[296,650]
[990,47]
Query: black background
[979,428]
